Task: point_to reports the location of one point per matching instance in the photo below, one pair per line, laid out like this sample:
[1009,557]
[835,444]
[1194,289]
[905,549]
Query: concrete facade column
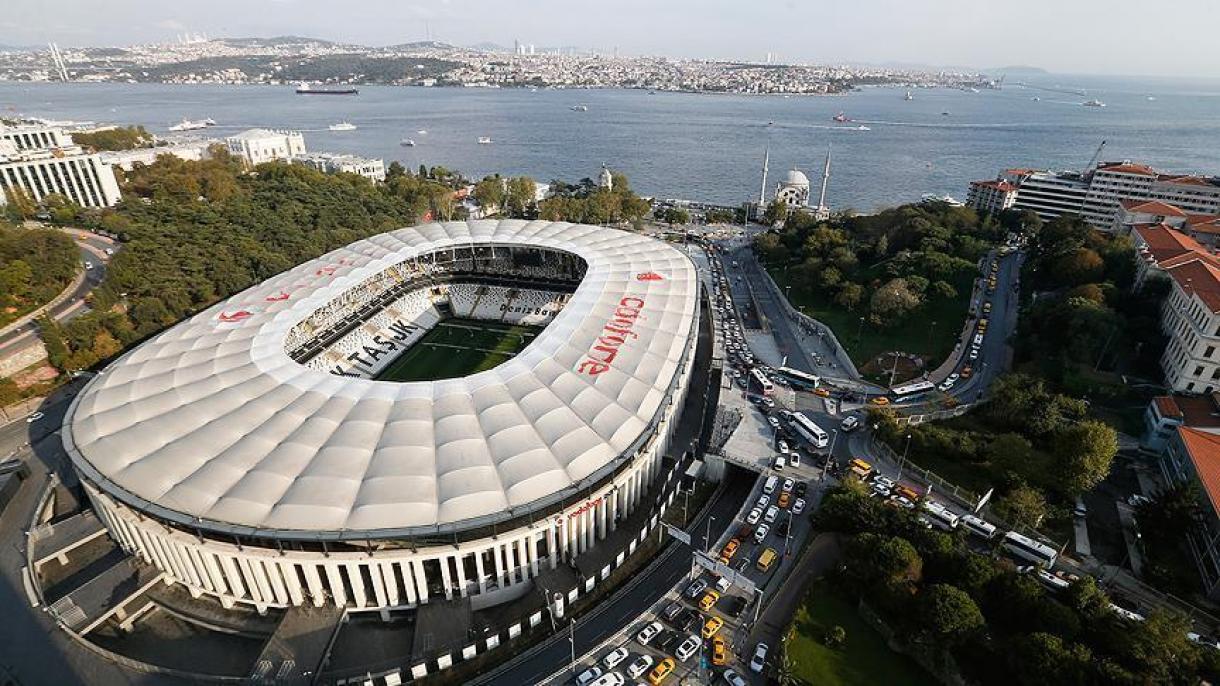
[337,591]
[499,560]
[421,580]
[446,580]
[408,582]
[357,580]
[552,551]
[478,568]
[563,537]
[292,582]
[314,582]
[379,594]
[461,574]
[601,517]
[522,560]
[614,512]
[532,553]
[390,581]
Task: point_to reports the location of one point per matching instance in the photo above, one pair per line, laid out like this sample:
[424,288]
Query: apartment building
[68,171]
[994,195]
[370,168]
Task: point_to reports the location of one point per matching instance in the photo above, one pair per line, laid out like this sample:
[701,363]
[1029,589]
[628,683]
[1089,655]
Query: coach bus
[798,378]
[1027,548]
[911,390]
[809,431]
[760,382]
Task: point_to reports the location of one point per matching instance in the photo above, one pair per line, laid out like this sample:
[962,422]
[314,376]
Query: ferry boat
[407,143]
[484,140]
[841,118]
[580,108]
[306,89]
[1093,103]
[342,126]
[188,125]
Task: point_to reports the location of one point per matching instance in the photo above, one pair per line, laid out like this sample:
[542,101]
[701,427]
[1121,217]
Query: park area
[929,332]
[862,659]
[457,348]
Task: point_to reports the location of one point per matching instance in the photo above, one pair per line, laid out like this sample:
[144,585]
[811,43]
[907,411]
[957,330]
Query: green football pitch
[459,347]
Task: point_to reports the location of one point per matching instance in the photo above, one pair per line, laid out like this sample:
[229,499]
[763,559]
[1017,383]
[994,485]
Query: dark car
[686,619]
[672,611]
[801,487]
[733,605]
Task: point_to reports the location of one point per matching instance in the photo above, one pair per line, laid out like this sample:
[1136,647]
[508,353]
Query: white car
[588,676]
[614,658]
[733,678]
[773,422]
[689,647]
[641,665]
[695,588]
[760,534]
[772,513]
[783,447]
[763,501]
[34,417]
[882,480]
[779,463]
[789,484]
[794,458]
[798,506]
[648,633]
[754,516]
[850,424]
[88,265]
[760,658]
[974,353]
[723,584]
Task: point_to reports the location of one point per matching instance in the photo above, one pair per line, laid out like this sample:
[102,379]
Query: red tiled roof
[1166,405]
[1198,411]
[1184,180]
[996,184]
[1164,244]
[1203,223]
[1204,451]
[1199,275]
[1128,168]
[1157,207]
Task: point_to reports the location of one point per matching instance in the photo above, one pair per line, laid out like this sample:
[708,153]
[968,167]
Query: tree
[769,248]
[489,193]
[943,289]
[883,561]
[850,295]
[1173,509]
[1085,451]
[520,197]
[9,392]
[1042,658]
[1022,506]
[948,613]
[892,302]
[52,339]
[1010,452]
[835,637]
[776,213]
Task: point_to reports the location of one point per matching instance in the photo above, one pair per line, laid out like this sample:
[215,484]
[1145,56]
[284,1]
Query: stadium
[435,412]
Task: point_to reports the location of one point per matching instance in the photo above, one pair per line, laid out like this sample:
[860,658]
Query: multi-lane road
[93,257]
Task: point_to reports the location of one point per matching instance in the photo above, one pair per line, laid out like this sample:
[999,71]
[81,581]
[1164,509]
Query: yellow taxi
[730,549]
[880,401]
[821,392]
[720,652]
[662,670]
[711,626]
[708,601]
[785,499]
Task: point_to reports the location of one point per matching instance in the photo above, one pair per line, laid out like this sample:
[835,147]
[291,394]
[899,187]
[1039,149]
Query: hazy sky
[1168,37]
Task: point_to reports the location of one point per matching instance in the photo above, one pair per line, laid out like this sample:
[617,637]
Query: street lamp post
[834,436]
[905,450]
[860,332]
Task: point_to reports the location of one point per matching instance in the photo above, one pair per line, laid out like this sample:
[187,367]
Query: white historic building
[257,146]
[793,191]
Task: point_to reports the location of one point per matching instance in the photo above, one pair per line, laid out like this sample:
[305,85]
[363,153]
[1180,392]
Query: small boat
[342,126]
[945,113]
[209,122]
[1151,98]
[422,132]
[840,117]
[188,125]
[484,140]
[1035,98]
[306,89]
[862,128]
[908,96]
[1093,103]
[579,108]
[407,143]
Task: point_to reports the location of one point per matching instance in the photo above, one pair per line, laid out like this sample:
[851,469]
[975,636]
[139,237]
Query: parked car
[694,588]
[639,666]
[759,660]
[798,506]
[614,658]
[688,648]
[588,676]
[754,516]
[34,417]
[760,534]
[850,424]
[648,633]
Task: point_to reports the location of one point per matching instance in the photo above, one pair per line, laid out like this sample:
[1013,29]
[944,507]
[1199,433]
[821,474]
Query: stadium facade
[251,454]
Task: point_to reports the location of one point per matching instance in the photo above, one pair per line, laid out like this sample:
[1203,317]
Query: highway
[622,609]
[92,251]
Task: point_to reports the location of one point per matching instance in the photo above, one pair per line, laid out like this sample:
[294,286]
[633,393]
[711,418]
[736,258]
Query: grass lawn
[863,659]
[459,347]
[915,334]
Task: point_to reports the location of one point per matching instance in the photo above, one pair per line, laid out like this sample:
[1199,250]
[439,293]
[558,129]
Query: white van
[769,486]
[939,516]
[779,463]
[772,513]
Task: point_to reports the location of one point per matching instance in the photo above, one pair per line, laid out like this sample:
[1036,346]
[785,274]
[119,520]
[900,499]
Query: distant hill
[21,48]
[422,45]
[1018,70]
[275,40]
[489,47]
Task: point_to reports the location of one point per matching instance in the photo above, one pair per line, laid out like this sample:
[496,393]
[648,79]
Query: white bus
[798,378]
[1027,548]
[761,382]
[911,389]
[812,433]
[978,527]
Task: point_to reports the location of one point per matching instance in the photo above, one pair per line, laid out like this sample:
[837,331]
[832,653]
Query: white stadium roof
[211,423]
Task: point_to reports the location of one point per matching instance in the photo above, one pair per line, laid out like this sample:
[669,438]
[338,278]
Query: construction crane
[1096,158]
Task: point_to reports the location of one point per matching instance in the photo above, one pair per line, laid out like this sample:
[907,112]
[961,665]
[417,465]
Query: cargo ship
[306,89]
